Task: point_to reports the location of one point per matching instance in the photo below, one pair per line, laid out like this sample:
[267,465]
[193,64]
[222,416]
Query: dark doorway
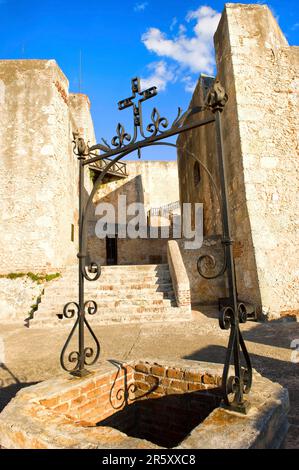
[111,250]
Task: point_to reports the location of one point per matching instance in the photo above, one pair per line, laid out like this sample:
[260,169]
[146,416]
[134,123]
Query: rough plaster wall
[260,74]
[39,194]
[154,183]
[18,298]
[81,122]
[200,144]
[245,261]
[35,166]
[265,75]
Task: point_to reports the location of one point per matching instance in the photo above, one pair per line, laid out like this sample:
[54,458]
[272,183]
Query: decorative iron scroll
[126,394]
[72,361]
[235,385]
[206,263]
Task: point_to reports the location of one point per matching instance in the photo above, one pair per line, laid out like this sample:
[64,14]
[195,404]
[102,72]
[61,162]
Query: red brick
[87,388]
[102,381]
[208,379]
[104,398]
[61,408]
[194,386]
[70,395]
[175,374]
[93,393]
[142,368]
[171,391]
[138,376]
[151,380]
[192,376]
[79,400]
[105,388]
[141,386]
[179,385]
[165,382]
[50,402]
[158,370]
[87,406]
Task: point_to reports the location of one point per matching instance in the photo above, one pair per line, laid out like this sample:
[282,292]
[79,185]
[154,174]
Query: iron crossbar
[117,169]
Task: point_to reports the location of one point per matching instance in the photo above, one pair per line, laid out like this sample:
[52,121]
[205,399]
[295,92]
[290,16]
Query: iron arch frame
[234,386]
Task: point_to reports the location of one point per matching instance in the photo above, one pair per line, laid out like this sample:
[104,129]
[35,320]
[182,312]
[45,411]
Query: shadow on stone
[10,386]
[165,421]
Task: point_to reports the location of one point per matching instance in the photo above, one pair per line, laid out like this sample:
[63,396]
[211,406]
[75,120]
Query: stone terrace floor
[32,355]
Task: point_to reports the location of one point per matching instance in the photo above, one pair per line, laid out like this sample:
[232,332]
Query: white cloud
[140,6]
[191,50]
[160,75]
[190,83]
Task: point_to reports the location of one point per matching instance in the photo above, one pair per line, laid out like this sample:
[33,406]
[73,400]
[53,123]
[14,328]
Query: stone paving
[32,355]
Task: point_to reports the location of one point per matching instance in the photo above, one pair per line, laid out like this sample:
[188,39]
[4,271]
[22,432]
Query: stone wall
[152,183]
[37,167]
[259,71]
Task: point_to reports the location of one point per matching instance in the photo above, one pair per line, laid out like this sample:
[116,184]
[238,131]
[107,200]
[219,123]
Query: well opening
[164,421]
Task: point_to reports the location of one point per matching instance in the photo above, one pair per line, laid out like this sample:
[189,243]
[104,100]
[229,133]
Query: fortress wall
[38,170]
[264,71]
[259,71]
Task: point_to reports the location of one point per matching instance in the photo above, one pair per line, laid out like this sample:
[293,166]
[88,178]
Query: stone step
[111,305]
[106,318]
[128,294]
[105,279]
[127,310]
[111,294]
[118,290]
[125,268]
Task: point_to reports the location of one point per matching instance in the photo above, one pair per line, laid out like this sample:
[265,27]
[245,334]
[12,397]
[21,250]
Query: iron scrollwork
[72,361]
[206,264]
[126,393]
[92,268]
[235,386]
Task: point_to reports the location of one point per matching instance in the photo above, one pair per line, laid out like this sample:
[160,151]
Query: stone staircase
[124,294]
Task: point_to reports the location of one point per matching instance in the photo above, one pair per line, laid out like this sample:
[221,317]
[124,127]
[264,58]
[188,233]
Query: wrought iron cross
[137,108]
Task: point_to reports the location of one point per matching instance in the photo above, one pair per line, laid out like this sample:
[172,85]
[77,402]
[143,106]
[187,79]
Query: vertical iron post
[231,277]
[75,361]
[81,371]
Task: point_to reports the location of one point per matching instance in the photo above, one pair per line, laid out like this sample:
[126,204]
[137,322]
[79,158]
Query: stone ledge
[178,274]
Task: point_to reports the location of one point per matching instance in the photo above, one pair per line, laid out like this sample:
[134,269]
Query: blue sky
[165,42]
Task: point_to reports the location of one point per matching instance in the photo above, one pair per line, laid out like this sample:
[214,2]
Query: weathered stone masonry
[259,71]
[37,166]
